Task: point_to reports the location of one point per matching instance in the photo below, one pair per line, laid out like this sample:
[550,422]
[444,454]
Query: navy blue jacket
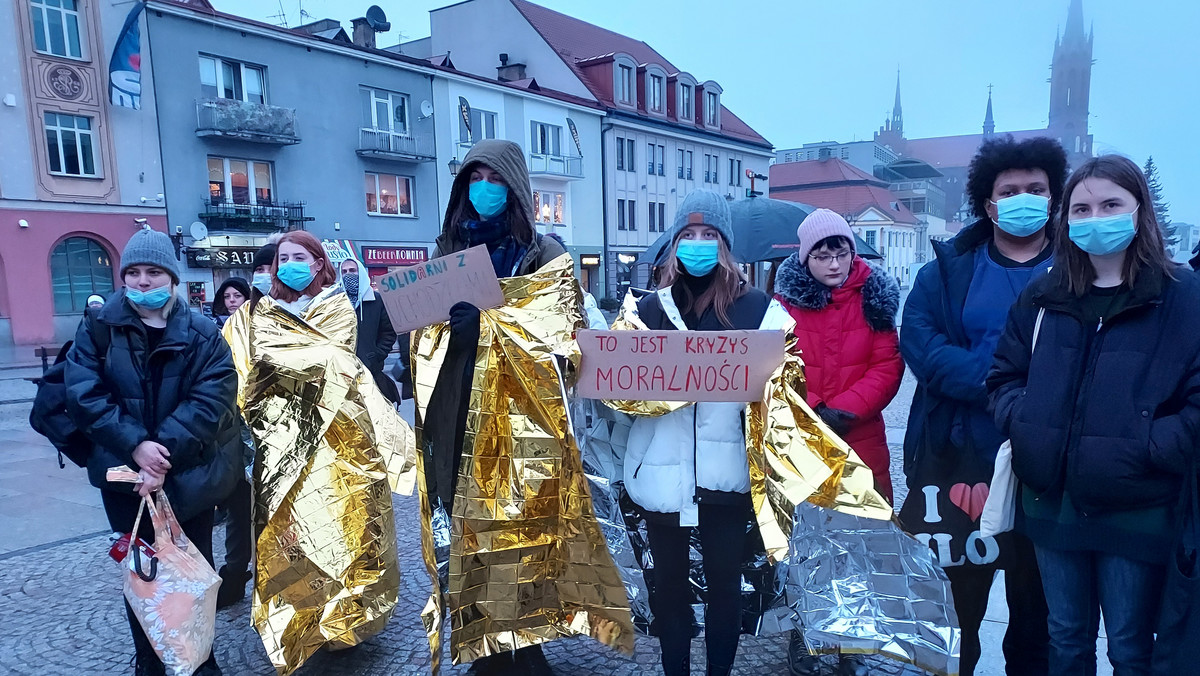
[937,350]
[1108,412]
[182,396]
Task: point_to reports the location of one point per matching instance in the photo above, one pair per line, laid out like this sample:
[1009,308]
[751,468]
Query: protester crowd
[1053,334]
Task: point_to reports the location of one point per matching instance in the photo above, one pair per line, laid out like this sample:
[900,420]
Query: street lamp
[454,165]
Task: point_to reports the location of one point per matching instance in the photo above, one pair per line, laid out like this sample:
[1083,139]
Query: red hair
[325,277]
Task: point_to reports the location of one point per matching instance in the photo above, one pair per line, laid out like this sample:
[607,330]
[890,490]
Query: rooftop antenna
[281,16]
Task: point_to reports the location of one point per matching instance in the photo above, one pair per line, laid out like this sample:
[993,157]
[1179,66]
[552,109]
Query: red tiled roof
[836,185]
[957,151]
[576,41]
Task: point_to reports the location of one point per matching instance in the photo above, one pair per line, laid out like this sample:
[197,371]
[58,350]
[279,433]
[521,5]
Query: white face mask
[262,282]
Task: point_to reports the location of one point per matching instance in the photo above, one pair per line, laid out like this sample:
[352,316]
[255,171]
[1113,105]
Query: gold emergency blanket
[528,562]
[793,455]
[330,449]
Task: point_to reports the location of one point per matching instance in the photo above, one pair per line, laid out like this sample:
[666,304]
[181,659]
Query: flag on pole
[125,67]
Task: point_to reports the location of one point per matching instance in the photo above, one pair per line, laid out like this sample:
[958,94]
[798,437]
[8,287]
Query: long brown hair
[325,277]
[1145,255]
[728,283]
[460,208]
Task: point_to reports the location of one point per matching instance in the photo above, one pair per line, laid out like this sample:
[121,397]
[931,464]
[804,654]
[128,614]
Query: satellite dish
[426,109]
[199,231]
[377,20]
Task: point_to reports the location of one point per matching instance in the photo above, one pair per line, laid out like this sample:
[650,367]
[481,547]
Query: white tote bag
[1000,508]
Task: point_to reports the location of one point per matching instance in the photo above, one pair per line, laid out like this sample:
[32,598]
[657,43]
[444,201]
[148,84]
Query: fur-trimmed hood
[880,291]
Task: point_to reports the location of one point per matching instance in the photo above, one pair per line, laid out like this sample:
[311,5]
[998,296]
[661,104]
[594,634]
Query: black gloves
[464,326]
[837,419]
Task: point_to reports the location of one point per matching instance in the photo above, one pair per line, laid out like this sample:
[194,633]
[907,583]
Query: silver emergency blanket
[857,585]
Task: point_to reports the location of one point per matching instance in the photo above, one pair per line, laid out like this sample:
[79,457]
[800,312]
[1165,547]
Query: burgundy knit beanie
[817,226]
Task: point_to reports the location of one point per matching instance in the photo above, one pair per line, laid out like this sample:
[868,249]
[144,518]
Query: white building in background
[663,133]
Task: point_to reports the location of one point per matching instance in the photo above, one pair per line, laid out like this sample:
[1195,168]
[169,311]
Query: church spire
[989,123]
[897,114]
[1075,30]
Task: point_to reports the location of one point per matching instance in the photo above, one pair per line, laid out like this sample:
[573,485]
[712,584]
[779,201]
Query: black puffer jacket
[181,396]
[376,337]
[1108,412]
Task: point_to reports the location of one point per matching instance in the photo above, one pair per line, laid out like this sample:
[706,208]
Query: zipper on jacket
[1083,385]
[695,457]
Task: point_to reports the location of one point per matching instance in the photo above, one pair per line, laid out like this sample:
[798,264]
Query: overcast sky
[800,71]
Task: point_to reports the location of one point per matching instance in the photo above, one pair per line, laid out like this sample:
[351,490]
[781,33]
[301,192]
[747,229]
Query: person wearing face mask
[953,318]
[688,469]
[491,204]
[376,337]
[260,283]
[1103,414]
[326,448]
[231,295]
[152,385]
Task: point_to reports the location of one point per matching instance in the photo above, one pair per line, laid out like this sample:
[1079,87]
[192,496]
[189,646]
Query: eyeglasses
[826,259]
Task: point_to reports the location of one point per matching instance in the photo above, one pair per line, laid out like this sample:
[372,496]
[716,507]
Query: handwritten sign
[678,365]
[421,295]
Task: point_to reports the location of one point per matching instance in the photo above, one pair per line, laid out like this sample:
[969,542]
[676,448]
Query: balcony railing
[253,122]
[561,166]
[388,145]
[222,214]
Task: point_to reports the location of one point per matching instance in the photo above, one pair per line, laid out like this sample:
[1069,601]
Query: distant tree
[1170,237]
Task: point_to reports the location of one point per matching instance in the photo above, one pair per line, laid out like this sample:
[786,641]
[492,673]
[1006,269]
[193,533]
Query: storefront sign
[338,250]
[422,295]
[678,365]
[394,255]
[222,257]
[589,260]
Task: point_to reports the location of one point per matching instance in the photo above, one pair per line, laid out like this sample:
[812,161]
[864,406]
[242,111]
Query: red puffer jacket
[847,338]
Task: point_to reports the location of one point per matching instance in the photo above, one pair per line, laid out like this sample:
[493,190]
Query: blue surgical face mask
[152,299]
[1022,215]
[489,199]
[1103,235]
[296,274]
[699,256]
[262,282]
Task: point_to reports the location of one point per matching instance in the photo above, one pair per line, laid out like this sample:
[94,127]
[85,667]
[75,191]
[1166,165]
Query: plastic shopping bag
[1000,508]
[173,591]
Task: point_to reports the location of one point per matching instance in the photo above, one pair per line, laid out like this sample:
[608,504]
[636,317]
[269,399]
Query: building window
[650,158]
[656,93]
[388,195]
[845,152]
[70,145]
[735,172]
[56,27]
[712,109]
[662,160]
[224,79]
[686,111]
[656,217]
[239,181]
[662,216]
[632,214]
[689,165]
[384,111]
[621,215]
[620,154]
[79,267]
[625,84]
[711,172]
[630,165]
[651,217]
[680,161]
[549,207]
[871,238]
[545,139]
[483,125]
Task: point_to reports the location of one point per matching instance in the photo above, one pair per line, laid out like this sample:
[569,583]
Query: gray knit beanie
[707,207]
[150,247]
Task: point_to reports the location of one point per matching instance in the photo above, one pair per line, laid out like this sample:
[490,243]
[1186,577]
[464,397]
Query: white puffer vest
[702,445]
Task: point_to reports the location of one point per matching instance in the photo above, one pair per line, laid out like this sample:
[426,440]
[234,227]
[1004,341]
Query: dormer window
[686,109]
[712,109]
[656,93]
[625,84]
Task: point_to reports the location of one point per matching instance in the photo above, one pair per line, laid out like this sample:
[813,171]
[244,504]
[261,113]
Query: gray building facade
[266,129]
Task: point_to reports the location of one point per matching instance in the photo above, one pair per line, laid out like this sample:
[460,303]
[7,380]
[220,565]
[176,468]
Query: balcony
[223,215]
[385,145]
[566,167]
[245,121]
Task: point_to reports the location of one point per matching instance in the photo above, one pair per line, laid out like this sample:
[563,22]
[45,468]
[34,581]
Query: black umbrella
[764,229]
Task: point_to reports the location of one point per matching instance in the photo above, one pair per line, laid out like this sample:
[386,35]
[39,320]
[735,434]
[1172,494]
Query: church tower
[897,116]
[891,134]
[989,122]
[1070,87]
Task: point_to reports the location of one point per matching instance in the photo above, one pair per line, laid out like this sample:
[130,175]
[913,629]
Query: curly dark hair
[1001,154]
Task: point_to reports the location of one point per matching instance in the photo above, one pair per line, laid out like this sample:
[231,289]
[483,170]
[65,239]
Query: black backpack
[49,416]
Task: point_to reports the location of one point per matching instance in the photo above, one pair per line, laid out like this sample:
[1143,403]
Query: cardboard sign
[421,295]
[678,365]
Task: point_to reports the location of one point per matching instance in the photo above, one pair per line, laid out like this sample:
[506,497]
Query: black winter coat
[182,396]
[376,337]
[1108,412]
